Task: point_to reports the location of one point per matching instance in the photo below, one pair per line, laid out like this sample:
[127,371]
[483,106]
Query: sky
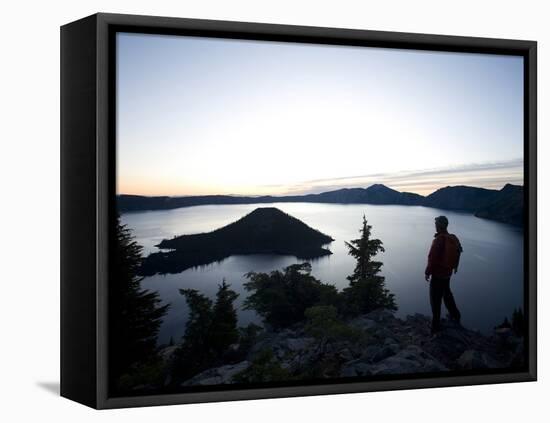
[200,116]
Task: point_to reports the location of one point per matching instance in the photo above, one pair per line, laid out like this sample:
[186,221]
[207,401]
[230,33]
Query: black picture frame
[88,197]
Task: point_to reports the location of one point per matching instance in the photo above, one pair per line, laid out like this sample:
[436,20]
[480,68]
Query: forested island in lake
[504,205]
[263,231]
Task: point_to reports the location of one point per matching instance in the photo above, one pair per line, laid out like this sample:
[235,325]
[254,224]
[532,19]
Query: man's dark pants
[440,290]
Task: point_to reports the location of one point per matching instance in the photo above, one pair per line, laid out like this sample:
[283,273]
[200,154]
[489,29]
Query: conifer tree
[518,322]
[224,330]
[135,315]
[195,353]
[366,291]
[210,330]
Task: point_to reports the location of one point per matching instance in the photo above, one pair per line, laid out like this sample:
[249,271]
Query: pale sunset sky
[215,116]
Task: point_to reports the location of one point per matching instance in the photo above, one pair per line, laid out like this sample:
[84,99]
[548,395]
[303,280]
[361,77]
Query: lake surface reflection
[488,286]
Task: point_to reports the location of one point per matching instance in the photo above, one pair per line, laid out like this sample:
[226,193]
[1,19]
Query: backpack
[451,252]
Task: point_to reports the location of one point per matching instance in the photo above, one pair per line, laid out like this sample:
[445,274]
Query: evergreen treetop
[367,290]
[363,250]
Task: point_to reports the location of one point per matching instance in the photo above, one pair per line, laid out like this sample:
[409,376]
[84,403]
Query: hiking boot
[455,320]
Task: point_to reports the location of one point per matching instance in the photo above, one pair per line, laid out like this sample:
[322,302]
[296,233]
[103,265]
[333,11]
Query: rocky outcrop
[382,344]
[217,376]
[411,359]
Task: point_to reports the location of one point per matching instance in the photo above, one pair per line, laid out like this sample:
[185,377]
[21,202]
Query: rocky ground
[382,344]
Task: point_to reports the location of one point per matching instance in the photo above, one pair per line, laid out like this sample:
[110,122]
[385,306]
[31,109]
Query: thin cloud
[493,175]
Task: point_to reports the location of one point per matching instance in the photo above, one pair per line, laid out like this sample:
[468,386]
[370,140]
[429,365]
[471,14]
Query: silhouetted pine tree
[210,330]
[518,322]
[366,291]
[224,330]
[505,324]
[195,353]
[135,315]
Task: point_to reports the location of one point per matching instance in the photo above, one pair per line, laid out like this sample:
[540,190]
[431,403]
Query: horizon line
[317,193]
[488,175]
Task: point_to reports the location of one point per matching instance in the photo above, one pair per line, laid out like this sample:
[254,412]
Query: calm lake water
[487,287]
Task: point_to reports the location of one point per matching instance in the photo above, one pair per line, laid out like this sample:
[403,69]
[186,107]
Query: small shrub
[281,297]
[324,324]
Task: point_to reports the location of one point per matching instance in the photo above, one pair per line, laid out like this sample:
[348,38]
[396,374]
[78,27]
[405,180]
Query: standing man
[443,260]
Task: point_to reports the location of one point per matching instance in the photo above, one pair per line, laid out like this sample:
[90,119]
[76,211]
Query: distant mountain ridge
[266,230]
[505,205]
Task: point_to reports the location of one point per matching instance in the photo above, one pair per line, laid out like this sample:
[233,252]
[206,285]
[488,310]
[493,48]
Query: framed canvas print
[255,211]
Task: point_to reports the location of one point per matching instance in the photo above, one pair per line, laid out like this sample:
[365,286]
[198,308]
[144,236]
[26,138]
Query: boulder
[412,359]
[384,352]
[363,323]
[355,368]
[380,315]
[217,375]
[472,359]
[298,344]
[383,332]
[345,354]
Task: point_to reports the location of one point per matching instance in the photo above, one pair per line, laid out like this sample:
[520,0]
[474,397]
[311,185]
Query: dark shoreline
[505,205]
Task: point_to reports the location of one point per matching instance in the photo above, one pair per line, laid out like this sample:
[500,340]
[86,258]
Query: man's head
[441,223]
